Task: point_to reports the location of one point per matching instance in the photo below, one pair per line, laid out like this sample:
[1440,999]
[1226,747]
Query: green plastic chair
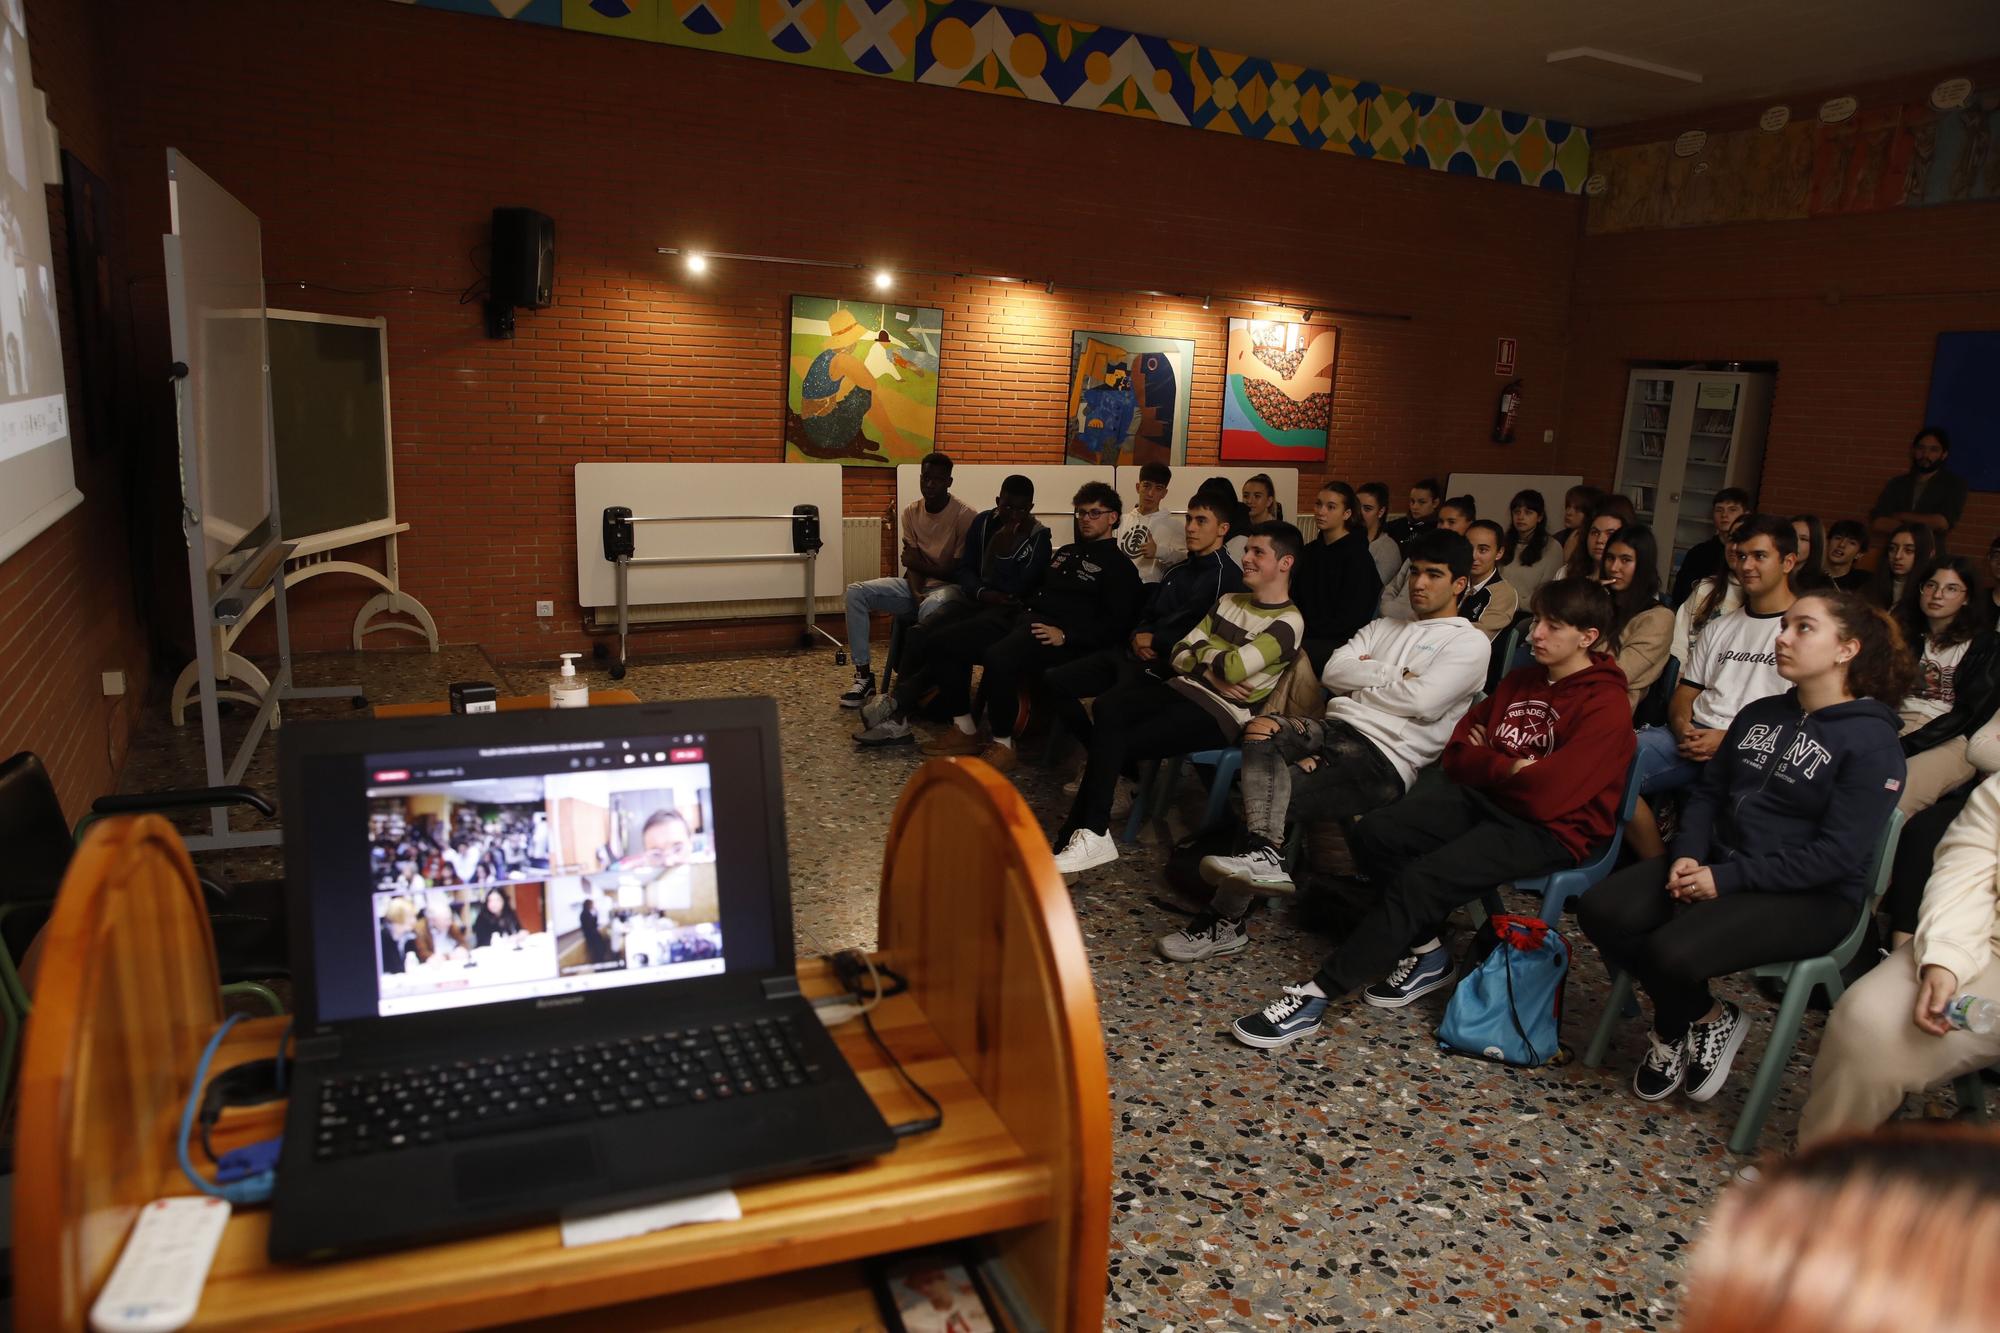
[1799,980]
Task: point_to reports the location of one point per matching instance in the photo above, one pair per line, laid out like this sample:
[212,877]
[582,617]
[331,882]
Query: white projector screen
[37,482]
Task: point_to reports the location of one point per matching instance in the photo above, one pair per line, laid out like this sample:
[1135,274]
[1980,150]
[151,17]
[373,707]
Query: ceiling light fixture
[697,262]
[1050,287]
[883,280]
[1206,301]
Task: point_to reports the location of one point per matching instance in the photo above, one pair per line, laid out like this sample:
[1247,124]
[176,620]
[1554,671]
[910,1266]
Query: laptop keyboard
[391,1109]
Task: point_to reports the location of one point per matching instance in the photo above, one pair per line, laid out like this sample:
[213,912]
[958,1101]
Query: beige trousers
[1874,1054]
[1933,773]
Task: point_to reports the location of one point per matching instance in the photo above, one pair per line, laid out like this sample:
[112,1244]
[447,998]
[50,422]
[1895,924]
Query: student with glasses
[1088,600]
[1944,621]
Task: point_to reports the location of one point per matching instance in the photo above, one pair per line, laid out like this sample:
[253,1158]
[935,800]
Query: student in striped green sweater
[1223,668]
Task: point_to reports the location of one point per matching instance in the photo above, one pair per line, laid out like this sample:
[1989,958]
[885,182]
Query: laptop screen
[511,872]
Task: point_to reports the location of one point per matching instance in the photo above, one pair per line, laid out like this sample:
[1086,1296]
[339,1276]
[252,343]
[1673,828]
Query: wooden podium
[999,1024]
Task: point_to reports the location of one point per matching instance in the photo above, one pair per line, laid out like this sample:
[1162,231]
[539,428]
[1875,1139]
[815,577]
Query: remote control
[157,1284]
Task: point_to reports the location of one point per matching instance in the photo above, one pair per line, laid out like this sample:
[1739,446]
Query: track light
[1050,287]
[883,280]
[697,263]
[1206,301]
[1309,315]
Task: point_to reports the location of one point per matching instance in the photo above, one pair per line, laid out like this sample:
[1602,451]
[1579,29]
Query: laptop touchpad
[495,1175]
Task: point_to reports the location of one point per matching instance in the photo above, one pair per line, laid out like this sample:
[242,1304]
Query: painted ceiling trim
[1011,52]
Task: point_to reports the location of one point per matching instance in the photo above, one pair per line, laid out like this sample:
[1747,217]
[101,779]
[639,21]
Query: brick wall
[1848,306]
[373,140]
[66,603]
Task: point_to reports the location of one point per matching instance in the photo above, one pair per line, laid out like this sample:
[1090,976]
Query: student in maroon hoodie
[1531,783]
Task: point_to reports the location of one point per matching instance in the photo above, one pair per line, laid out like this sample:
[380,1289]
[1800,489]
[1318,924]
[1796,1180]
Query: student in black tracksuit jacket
[1182,597]
[1335,584]
[1771,863]
[1088,599]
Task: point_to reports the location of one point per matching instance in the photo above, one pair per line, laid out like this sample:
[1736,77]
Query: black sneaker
[859,692]
[1711,1049]
[1662,1071]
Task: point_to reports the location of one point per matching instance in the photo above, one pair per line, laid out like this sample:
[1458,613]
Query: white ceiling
[1482,51]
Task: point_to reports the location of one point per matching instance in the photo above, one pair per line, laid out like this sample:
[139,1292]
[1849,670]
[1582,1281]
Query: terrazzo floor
[1356,1180]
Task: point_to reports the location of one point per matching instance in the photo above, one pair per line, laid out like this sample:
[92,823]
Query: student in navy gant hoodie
[1532,780]
[1771,863]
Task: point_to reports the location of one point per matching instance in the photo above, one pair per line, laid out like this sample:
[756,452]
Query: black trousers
[1673,949]
[1915,851]
[1143,719]
[1441,846]
[1087,677]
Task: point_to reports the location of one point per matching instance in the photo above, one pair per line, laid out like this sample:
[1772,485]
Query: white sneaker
[1085,850]
[1207,936]
[1261,870]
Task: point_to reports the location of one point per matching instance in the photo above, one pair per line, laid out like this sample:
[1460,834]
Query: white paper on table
[625,1223]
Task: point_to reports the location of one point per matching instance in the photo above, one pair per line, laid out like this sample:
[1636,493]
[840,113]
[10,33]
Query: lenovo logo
[558,1001]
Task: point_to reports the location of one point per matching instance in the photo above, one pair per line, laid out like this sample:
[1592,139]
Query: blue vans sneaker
[1418,974]
[1286,1020]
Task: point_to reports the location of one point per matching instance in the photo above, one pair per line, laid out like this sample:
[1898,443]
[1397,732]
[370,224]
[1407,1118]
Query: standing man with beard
[1929,493]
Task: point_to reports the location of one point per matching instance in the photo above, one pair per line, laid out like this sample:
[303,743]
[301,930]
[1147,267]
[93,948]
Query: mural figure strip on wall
[861,382]
[1277,391]
[1128,399]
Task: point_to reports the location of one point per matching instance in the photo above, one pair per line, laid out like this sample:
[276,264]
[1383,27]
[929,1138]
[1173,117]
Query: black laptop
[544,968]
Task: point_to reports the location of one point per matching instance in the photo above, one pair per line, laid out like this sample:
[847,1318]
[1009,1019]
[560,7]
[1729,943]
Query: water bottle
[1973,1014]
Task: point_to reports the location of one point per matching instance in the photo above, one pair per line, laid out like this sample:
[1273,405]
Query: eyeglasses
[1095,513]
[1934,586]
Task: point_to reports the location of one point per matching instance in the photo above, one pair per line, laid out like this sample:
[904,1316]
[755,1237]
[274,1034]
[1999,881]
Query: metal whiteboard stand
[305,559]
[621,542]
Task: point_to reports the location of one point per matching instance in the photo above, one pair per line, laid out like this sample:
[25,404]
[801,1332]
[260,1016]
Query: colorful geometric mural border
[1011,52]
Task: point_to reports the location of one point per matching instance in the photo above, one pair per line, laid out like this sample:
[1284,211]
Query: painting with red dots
[1277,395]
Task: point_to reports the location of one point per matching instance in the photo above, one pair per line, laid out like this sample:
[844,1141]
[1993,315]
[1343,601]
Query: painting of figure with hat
[1128,399]
[861,384]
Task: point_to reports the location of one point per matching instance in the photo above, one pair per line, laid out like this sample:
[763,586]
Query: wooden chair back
[974,913]
[125,996]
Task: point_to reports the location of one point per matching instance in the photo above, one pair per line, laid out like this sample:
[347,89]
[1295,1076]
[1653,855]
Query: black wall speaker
[524,258]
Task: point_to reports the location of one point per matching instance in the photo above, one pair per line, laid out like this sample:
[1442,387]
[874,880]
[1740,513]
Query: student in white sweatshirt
[1889,1036]
[1399,687]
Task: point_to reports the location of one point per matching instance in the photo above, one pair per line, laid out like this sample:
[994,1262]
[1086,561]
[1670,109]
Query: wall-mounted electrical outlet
[114,684]
[1548,437]
[545,608]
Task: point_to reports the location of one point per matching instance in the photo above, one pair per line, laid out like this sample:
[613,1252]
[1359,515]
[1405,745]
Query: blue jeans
[890,596]
[1660,766]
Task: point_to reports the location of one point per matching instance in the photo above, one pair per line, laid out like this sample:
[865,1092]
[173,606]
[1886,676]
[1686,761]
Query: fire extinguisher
[1504,415]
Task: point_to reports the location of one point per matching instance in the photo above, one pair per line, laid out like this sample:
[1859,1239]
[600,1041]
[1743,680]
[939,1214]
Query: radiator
[861,558]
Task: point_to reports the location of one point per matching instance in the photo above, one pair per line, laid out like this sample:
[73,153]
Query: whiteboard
[1188,479]
[702,491]
[979,483]
[215,304]
[1492,490]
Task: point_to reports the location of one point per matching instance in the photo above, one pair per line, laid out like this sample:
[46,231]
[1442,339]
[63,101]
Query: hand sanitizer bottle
[568,689]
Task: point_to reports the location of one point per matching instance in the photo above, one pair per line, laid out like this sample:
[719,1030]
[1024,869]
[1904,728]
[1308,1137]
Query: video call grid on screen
[506,874]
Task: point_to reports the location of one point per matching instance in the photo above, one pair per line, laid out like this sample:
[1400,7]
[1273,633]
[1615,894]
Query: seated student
[1531,557]
[496,919]
[1335,583]
[1641,626]
[1577,503]
[1888,1036]
[1087,601]
[1585,555]
[1260,498]
[1006,555]
[1771,862]
[1958,678]
[934,529]
[1705,559]
[440,937]
[399,935]
[1531,783]
[1153,537]
[1399,687]
[1732,663]
[1454,515]
[1489,603]
[1425,498]
[1908,550]
[1810,572]
[1374,497]
[1846,541]
[1184,596]
[1917,848]
[1222,669]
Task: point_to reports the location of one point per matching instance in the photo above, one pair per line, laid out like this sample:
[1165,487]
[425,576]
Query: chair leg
[1614,1007]
[1771,1069]
[1218,790]
[1555,898]
[1142,798]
